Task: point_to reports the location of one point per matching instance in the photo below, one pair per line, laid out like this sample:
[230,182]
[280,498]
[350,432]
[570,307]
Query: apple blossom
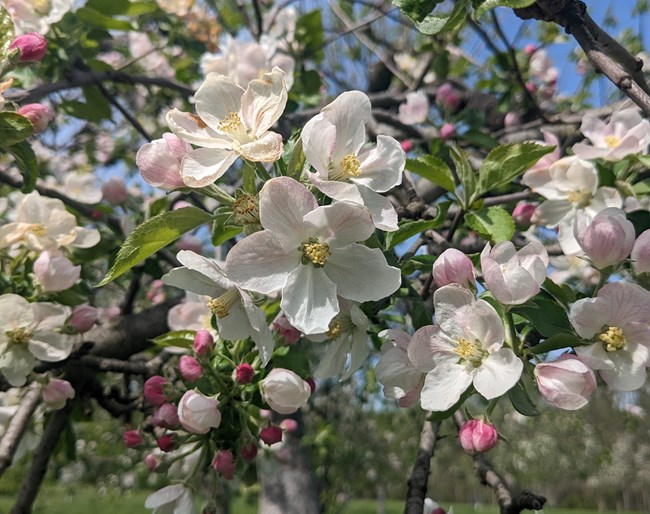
[448,96]
[231,123]
[29,15]
[311,254]
[54,272]
[56,393]
[80,186]
[29,333]
[523,213]
[154,390]
[284,391]
[477,436]
[244,373]
[289,425]
[160,161]
[203,342]
[464,348]
[198,413]
[333,142]
[617,321]
[32,47]
[566,383]
[224,464]
[514,277]
[39,115]
[248,451]
[190,368]
[348,335]
[539,175]
[271,435]
[447,131]
[511,119]
[541,67]
[237,316]
[641,253]
[607,240]
[626,133]
[453,267]
[151,461]
[416,108]
[290,334]
[83,318]
[114,191]
[167,443]
[173,499]
[132,438]
[166,416]
[572,187]
[400,378]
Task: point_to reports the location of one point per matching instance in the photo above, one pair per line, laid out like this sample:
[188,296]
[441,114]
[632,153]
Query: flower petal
[444,385]
[201,167]
[283,204]
[318,139]
[189,128]
[382,167]
[340,224]
[268,148]
[348,113]
[498,373]
[264,101]
[217,98]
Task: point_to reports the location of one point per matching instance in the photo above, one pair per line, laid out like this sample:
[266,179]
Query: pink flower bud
[38,114]
[608,239]
[530,49]
[132,438]
[54,272]
[167,443]
[248,451]
[166,416]
[407,145]
[114,191]
[271,434]
[151,462]
[311,383]
[289,425]
[198,413]
[448,97]
[224,464]
[447,131]
[285,329]
[160,161]
[512,119]
[531,87]
[244,373]
[566,382]
[477,436]
[203,342]
[523,213]
[190,368]
[453,267]
[57,392]
[32,46]
[154,391]
[641,253]
[83,318]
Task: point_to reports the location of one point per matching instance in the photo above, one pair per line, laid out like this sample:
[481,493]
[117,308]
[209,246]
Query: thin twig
[417,483]
[17,425]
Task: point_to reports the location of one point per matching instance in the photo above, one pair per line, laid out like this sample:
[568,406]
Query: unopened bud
[83,318]
[38,114]
[203,342]
[248,451]
[114,191]
[56,393]
[523,213]
[190,368]
[132,438]
[244,373]
[32,47]
[151,462]
[224,464]
[447,131]
[154,391]
[453,267]
[271,434]
[477,436]
[166,416]
[167,443]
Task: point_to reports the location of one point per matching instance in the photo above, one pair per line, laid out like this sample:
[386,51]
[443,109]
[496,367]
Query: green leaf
[14,128]
[309,31]
[411,228]
[109,7]
[27,164]
[478,138]
[223,233]
[465,174]
[506,162]
[433,23]
[644,159]
[98,104]
[152,235]
[521,400]
[486,5]
[138,8]
[417,10]
[248,178]
[6,32]
[546,315]
[434,170]
[437,416]
[182,338]
[296,161]
[556,342]
[562,293]
[98,19]
[492,223]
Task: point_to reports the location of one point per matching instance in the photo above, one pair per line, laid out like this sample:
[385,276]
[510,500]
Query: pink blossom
[447,131]
[54,272]
[198,413]
[83,318]
[224,464]
[38,114]
[477,436]
[407,145]
[416,108]
[607,240]
[566,382]
[244,373]
[166,416]
[151,461]
[523,213]
[32,47]
[190,368]
[289,425]
[154,391]
[285,329]
[271,434]
[167,443]
[57,392]
[132,438]
[641,253]
[203,342]
[453,267]
[530,49]
[448,97]
[511,119]
[114,191]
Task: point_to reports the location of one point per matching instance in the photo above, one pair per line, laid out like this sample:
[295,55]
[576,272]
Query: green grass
[85,500]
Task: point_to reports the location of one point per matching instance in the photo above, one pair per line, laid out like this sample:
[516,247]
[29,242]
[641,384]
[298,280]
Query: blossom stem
[214,191]
[604,276]
[511,334]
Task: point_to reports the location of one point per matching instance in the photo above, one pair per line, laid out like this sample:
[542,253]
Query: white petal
[382,212]
[264,101]
[235,325]
[444,385]
[208,267]
[309,299]
[268,148]
[447,301]
[627,375]
[260,332]
[191,280]
[201,167]
[283,204]
[358,352]
[382,167]
[361,273]
[333,361]
[16,364]
[339,224]
[318,139]
[15,312]
[217,98]
[348,113]
[498,373]
[163,496]
[50,346]
[187,127]
[430,347]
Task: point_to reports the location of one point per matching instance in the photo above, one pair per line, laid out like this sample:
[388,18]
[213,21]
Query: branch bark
[417,483]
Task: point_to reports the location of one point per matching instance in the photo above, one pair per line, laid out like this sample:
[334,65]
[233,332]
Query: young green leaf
[492,223]
[434,170]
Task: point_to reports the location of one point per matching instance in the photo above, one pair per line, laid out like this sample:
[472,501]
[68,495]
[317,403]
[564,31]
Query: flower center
[315,252]
[340,325]
[580,198]
[246,209]
[612,141]
[18,336]
[41,7]
[350,166]
[231,123]
[38,229]
[613,339]
[221,306]
[469,352]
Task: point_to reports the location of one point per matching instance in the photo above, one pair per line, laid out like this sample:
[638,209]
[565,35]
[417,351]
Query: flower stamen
[18,336]
[350,166]
[340,325]
[469,352]
[613,339]
[231,123]
[221,306]
[580,198]
[246,209]
[612,141]
[315,252]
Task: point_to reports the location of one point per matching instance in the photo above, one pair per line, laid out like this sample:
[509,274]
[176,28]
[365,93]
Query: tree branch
[17,425]
[417,483]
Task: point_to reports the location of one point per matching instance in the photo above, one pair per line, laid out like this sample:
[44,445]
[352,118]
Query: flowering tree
[468,244]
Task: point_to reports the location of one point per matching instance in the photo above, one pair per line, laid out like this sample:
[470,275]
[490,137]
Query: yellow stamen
[231,123]
[579,198]
[613,339]
[38,229]
[350,166]
[246,209]
[341,324]
[41,7]
[334,329]
[469,351]
[612,141]
[315,252]
[221,306]
[18,336]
